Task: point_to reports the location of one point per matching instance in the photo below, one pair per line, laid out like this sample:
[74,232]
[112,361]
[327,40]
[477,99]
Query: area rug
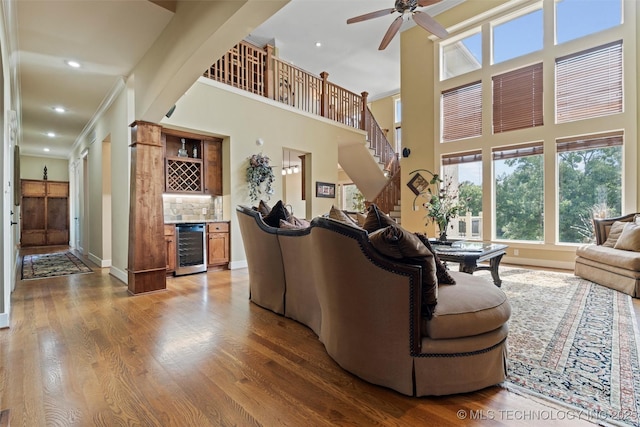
[575,343]
[51,265]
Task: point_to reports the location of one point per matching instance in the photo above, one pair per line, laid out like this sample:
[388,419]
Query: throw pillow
[294,223]
[264,208]
[341,216]
[397,243]
[614,234]
[376,219]
[629,240]
[444,278]
[277,213]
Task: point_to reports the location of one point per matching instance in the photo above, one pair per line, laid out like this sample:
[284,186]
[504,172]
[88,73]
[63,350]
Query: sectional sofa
[366,308]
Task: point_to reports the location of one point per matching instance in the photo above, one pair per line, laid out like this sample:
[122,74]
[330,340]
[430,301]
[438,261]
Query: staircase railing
[257,70]
[389,196]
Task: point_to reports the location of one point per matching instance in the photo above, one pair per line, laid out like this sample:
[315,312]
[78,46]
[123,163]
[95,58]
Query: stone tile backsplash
[189,208]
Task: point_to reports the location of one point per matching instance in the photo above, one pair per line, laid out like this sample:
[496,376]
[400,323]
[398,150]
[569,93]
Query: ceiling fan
[405,6]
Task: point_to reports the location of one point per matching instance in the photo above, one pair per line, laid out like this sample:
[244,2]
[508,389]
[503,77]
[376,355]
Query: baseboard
[235,265]
[99,261]
[4,320]
[119,274]
[565,265]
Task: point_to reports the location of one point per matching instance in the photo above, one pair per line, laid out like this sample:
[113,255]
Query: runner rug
[51,265]
[573,342]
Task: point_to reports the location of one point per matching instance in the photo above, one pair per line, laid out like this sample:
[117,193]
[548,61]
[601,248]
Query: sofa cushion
[395,242]
[473,307]
[442,274]
[609,256]
[614,233]
[294,223]
[376,219]
[277,213]
[629,240]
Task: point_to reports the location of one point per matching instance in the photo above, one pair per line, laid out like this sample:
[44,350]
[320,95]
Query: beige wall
[241,118]
[384,112]
[32,167]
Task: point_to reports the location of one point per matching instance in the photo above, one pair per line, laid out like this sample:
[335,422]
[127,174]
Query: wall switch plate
[204,211]
[516,252]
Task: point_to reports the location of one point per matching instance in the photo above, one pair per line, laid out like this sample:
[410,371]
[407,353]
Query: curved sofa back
[264,260]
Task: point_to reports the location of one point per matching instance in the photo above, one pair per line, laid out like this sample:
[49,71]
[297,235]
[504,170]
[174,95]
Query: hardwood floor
[82,352]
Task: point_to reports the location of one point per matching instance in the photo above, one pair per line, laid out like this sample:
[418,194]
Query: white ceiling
[109,37]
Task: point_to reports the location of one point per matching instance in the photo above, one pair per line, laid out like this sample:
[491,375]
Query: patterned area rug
[50,265]
[573,342]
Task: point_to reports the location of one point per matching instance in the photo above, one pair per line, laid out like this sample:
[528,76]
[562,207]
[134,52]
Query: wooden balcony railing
[389,196]
[257,70]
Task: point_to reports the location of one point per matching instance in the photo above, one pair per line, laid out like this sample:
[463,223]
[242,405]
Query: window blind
[512,152]
[612,139]
[517,99]
[589,83]
[458,158]
[462,112]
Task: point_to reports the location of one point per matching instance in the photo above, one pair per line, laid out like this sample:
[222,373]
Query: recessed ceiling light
[46,149]
[73,64]
[318,44]
[59,110]
[51,134]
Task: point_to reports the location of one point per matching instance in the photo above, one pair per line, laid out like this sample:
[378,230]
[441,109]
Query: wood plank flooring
[82,352]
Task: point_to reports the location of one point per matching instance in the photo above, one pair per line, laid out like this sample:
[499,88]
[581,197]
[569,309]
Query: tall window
[517,99]
[519,201]
[465,170]
[461,56]
[462,112]
[592,16]
[590,183]
[517,37]
[589,83]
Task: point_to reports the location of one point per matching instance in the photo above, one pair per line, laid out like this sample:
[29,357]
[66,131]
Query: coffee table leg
[468,267]
[494,263]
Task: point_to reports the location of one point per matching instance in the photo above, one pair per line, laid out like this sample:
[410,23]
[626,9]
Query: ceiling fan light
[284,171]
[289,171]
[296,169]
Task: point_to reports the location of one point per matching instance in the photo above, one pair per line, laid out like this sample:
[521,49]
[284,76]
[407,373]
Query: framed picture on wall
[325,189]
[418,184]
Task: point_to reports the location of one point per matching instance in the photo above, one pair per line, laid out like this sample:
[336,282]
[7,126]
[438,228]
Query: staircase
[371,163]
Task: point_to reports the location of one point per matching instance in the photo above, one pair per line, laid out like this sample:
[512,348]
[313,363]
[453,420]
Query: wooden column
[324,96]
[147,251]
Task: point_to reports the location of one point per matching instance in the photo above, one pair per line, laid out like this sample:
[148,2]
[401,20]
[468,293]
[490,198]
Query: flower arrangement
[260,176]
[442,202]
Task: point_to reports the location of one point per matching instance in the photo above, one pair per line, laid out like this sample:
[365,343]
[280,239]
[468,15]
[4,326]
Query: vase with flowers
[260,177]
[441,199]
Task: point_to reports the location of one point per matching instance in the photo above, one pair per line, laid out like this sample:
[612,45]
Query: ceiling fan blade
[423,3]
[393,29]
[429,24]
[370,15]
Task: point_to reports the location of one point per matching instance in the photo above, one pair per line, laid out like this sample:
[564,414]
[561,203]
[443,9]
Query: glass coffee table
[469,254]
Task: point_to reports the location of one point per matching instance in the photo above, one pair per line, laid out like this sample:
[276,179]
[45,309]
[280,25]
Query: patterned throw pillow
[397,243]
[444,278]
[294,223]
[376,219]
[342,216]
[264,208]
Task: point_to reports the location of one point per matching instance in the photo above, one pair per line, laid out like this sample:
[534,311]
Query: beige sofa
[365,308]
[603,264]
